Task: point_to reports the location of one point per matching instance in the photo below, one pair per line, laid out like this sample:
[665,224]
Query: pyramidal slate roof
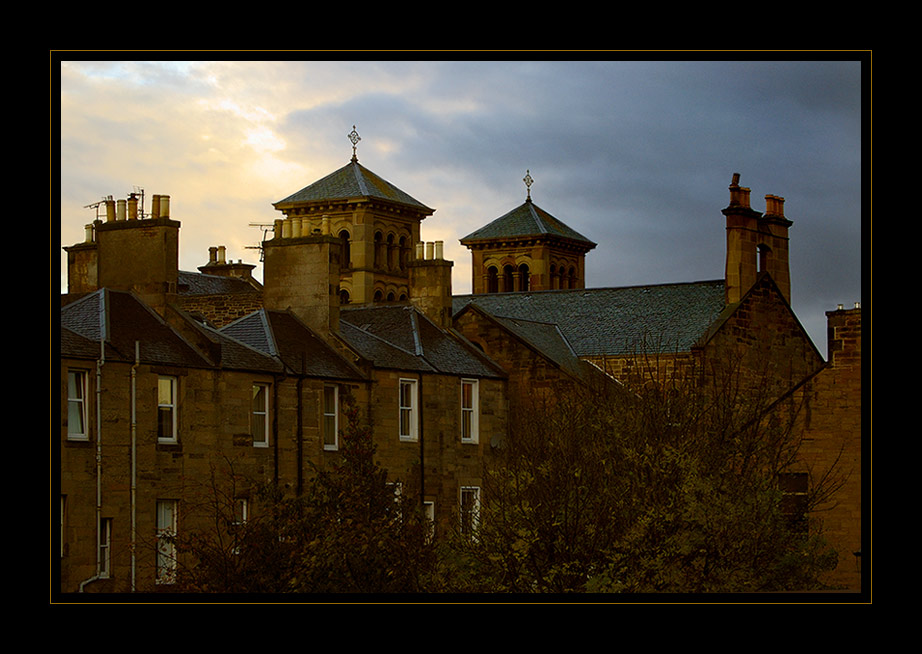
[530,220]
[661,318]
[352,181]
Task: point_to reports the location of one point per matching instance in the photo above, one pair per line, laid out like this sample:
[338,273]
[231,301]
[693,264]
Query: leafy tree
[353,531]
[668,487]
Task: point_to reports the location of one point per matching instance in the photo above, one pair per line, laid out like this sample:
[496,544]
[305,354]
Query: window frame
[166,541]
[470,432]
[469,528]
[173,405]
[334,445]
[266,389]
[82,385]
[411,410]
[104,544]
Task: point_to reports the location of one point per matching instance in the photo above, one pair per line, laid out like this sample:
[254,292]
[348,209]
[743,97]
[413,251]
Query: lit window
[408,409]
[259,415]
[330,417]
[166,409]
[76,405]
[105,546]
[166,541]
[469,510]
[470,419]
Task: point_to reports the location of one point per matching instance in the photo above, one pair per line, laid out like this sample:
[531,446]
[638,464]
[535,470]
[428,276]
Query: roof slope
[352,181]
[400,337]
[193,283]
[281,335]
[530,220]
[122,319]
[615,321]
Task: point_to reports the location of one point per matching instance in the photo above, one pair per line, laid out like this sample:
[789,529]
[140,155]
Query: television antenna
[265,227]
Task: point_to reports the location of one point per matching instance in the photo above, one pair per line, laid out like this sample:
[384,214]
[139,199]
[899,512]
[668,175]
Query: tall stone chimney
[138,254]
[756,243]
[301,273]
[430,283]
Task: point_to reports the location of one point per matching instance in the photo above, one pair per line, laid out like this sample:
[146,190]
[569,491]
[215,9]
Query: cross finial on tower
[528,182]
[355,138]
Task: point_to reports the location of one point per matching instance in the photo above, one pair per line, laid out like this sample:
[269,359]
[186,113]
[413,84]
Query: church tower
[527,249]
[376,223]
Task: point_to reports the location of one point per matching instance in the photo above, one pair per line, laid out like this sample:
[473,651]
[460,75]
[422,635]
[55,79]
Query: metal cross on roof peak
[528,182]
[355,138]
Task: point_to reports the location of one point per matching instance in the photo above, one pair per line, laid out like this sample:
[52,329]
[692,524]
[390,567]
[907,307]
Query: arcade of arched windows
[507,278]
[392,252]
[563,276]
[390,293]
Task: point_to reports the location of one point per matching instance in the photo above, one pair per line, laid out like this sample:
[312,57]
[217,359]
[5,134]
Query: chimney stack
[301,274]
[756,243]
[430,283]
[137,254]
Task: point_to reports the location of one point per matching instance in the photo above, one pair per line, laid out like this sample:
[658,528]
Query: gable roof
[527,220]
[660,318]
[352,181]
[401,337]
[279,334]
[121,319]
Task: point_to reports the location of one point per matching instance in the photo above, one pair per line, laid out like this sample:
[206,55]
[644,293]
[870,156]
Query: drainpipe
[275,428]
[99,364]
[422,460]
[134,457]
[300,430]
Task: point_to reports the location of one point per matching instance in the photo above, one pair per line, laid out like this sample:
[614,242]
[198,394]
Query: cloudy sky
[635,155]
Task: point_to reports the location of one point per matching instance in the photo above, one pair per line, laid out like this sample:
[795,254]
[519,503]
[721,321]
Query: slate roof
[122,319]
[660,318]
[193,283]
[400,337]
[352,181]
[527,220]
[281,335]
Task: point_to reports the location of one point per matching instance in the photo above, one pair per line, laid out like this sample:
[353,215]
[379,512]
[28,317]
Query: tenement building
[169,377]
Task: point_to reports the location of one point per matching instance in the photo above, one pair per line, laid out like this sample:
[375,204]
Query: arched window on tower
[508,279]
[524,278]
[347,249]
[492,280]
[554,282]
[404,253]
[343,296]
[572,280]
[391,253]
[379,250]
